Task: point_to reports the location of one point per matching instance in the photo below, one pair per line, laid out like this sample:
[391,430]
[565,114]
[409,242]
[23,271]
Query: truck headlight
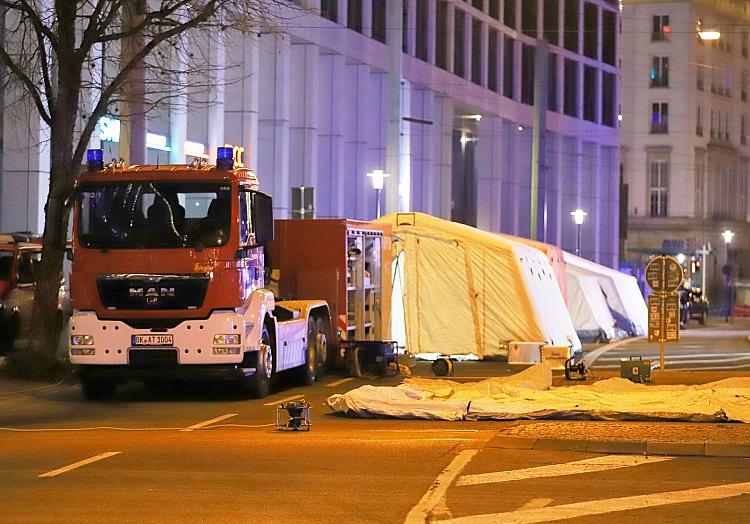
[227,340]
[226,351]
[81,340]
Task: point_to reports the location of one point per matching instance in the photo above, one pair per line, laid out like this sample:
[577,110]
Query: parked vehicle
[168,282]
[693,305]
[698,305]
[20,254]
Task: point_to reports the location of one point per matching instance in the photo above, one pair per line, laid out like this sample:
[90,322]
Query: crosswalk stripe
[434,495]
[600,507]
[591,465]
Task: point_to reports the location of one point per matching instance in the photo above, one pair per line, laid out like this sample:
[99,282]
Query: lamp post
[727,273]
[578,216]
[378,178]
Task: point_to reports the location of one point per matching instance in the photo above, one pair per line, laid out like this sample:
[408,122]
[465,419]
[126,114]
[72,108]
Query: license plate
[153,340]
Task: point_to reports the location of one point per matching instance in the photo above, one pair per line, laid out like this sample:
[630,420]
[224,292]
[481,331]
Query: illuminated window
[660,29]
[659,118]
[659,71]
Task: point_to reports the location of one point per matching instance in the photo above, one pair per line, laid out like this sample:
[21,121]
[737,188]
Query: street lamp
[377,177]
[708,33]
[578,216]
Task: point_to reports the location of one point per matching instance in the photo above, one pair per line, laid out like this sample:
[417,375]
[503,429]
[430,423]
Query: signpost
[664,276]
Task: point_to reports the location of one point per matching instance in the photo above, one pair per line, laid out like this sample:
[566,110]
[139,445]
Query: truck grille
[152,291]
[153,358]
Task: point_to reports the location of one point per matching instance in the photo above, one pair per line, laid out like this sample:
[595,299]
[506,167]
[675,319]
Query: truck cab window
[247,232]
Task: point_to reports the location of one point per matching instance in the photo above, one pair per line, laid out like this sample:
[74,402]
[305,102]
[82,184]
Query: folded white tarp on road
[529,395]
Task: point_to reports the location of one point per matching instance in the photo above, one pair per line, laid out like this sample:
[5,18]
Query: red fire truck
[167,280]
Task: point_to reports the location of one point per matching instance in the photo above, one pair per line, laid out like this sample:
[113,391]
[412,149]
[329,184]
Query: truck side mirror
[69,253]
[262,217]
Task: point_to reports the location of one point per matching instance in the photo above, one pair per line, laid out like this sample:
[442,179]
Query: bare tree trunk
[42,358]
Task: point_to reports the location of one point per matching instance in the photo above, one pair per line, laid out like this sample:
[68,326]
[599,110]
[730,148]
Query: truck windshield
[6,264]
[154,214]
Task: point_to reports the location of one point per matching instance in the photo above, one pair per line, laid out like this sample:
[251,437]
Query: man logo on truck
[152,294]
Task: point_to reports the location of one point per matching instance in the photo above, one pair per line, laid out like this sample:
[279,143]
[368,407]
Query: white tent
[620,290]
[588,308]
[469,291]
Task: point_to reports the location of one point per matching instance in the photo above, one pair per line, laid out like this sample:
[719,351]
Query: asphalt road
[718,346]
[202,455]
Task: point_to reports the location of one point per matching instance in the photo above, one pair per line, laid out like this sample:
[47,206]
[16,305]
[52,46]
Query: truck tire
[322,328]
[97,389]
[259,384]
[308,372]
[9,333]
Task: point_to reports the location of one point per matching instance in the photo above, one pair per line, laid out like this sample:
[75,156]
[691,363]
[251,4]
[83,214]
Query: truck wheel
[9,333]
[259,384]
[309,371]
[322,329]
[97,389]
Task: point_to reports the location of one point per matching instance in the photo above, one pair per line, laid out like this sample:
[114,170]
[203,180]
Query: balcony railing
[659,128]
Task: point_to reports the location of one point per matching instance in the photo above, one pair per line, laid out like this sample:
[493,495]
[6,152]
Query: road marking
[97,458]
[205,423]
[287,399]
[536,503]
[339,382]
[437,490]
[600,507]
[591,465]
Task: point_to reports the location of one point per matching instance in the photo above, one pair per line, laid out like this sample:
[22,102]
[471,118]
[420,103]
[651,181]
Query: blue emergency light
[225,158]
[95,159]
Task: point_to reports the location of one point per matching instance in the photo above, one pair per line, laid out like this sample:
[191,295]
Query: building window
[492,51]
[699,78]
[699,121]
[743,130]
[528,17]
[509,13]
[527,74]
[570,36]
[378,20]
[551,21]
[552,83]
[508,67]
[712,125]
[329,9]
[660,29]
[589,93]
[726,126]
[495,9]
[743,89]
[570,89]
[659,118]
[609,37]
[441,35]
[421,36]
[658,175]
[354,15]
[590,30]
[608,99]
[459,43]
[659,71]
[476,52]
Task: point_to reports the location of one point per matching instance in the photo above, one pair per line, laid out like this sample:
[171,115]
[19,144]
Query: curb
[624,447]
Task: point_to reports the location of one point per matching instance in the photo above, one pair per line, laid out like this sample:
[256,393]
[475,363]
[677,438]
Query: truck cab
[167,280]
